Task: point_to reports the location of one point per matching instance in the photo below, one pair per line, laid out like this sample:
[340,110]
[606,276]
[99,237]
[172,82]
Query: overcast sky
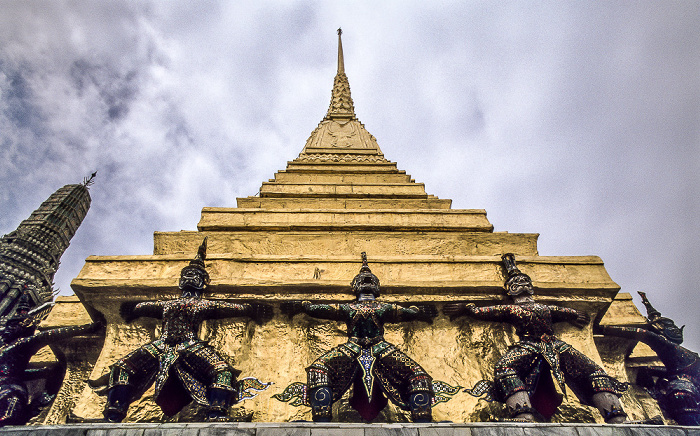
[576,120]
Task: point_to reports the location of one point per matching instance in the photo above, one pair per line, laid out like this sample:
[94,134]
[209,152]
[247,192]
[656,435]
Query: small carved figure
[183,367]
[676,385]
[366,360]
[18,343]
[523,369]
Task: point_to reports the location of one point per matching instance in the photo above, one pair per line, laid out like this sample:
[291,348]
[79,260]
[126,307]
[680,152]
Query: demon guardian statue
[517,372]
[676,385]
[183,367]
[18,343]
[366,359]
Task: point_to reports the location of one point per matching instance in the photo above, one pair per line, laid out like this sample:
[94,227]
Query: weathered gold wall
[460,352]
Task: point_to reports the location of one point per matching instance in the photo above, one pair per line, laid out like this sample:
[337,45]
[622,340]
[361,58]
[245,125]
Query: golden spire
[341,101]
[340,136]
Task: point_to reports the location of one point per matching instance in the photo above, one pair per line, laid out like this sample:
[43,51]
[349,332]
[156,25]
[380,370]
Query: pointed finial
[652,313]
[508,260]
[364,259]
[89,181]
[202,252]
[341,61]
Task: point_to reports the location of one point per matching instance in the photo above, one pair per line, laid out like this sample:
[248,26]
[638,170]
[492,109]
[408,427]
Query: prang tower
[30,255]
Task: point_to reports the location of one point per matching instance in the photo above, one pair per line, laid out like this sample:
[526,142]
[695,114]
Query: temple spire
[340,135]
[341,101]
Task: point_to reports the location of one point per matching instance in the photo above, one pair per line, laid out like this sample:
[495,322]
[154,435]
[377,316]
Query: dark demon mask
[517,282]
[194,277]
[660,324]
[365,282]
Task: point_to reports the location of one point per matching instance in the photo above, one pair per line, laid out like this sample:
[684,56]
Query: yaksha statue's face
[193,281]
[16,328]
[366,283]
[666,327]
[519,284]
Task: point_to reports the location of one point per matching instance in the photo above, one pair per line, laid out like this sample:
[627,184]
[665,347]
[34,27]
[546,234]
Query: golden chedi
[300,239]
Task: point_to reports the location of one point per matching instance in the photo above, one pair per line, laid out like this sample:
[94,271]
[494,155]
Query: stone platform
[338,429]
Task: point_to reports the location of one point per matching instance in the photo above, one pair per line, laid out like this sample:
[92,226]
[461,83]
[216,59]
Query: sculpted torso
[364,319]
[182,317]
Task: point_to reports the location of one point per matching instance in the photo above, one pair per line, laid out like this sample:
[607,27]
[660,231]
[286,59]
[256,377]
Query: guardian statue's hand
[454,310]
[262,313]
[126,311]
[426,312]
[291,308]
[582,319]
[95,326]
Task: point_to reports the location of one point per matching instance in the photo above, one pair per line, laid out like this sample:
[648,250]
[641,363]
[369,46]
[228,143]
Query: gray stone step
[342,429]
